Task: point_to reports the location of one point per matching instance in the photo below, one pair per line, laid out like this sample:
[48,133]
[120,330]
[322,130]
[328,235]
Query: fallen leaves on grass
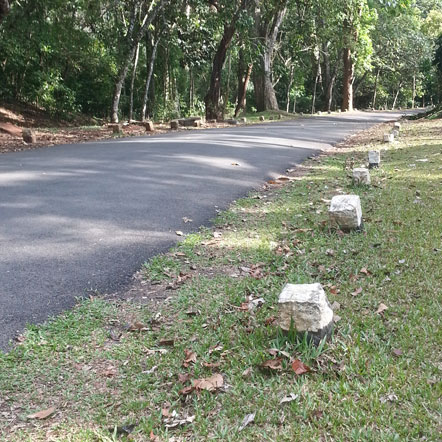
[357,292]
[272,364]
[212,383]
[248,419]
[365,271]
[397,352]
[137,327]
[190,358]
[175,420]
[43,414]
[289,398]
[381,309]
[299,367]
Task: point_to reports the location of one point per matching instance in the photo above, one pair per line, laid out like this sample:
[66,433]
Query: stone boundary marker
[388,138]
[361,175]
[374,158]
[305,308]
[345,212]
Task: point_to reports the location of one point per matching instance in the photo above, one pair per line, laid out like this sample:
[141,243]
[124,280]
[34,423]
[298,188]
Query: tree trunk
[265,95]
[289,88]
[133,39]
[227,93]
[132,82]
[4,9]
[347,93]
[414,92]
[396,96]
[375,92]
[213,109]
[244,73]
[150,67]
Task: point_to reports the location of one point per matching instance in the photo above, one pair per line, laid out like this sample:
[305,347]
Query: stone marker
[279,117]
[29,136]
[329,112]
[319,113]
[149,126]
[395,133]
[174,125]
[388,138]
[197,123]
[361,175]
[301,114]
[345,212]
[116,128]
[374,158]
[271,118]
[307,308]
[262,118]
[339,111]
[243,120]
[397,125]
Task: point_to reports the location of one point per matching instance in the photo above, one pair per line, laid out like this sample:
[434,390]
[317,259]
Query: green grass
[377,379]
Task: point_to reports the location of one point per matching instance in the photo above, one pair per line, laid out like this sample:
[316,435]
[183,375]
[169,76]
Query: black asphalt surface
[75,218]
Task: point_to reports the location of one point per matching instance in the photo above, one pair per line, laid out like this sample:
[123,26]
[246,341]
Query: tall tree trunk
[414,92]
[375,92]
[150,67]
[132,83]
[244,73]
[213,109]
[133,38]
[227,93]
[265,95]
[4,9]
[289,88]
[396,96]
[347,93]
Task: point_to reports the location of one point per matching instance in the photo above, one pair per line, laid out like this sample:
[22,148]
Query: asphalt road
[85,217]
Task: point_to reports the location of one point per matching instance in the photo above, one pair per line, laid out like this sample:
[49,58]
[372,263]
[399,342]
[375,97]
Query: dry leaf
[357,292]
[246,372]
[42,414]
[209,384]
[365,271]
[190,358]
[272,364]
[381,309]
[183,377]
[299,367]
[397,352]
[211,364]
[246,421]
[166,341]
[290,398]
[137,326]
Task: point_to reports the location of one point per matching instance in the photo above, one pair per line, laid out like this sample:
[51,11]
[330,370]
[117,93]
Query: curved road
[80,217]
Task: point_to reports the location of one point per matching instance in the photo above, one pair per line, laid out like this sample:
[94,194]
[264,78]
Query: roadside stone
[262,118]
[388,138]
[116,128]
[345,212]
[174,125]
[306,308]
[395,133]
[397,125]
[197,123]
[149,126]
[243,120]
[374,158]
[29,136]
[361,175]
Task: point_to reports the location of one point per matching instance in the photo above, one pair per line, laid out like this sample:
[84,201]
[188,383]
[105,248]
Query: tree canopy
[161,59]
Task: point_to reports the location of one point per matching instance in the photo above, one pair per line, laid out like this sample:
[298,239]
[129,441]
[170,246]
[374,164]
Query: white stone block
[374,158]
[388,138]
[395,133]
[361,175]
[307,308]
[345,212]
[397,125]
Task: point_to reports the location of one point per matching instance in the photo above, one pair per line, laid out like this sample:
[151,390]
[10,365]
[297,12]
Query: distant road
[86,216]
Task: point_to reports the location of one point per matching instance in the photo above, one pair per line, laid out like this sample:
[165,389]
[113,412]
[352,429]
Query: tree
[269,16]
[141,15]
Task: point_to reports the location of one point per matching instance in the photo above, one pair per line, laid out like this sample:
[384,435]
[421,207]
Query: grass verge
[110,370]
